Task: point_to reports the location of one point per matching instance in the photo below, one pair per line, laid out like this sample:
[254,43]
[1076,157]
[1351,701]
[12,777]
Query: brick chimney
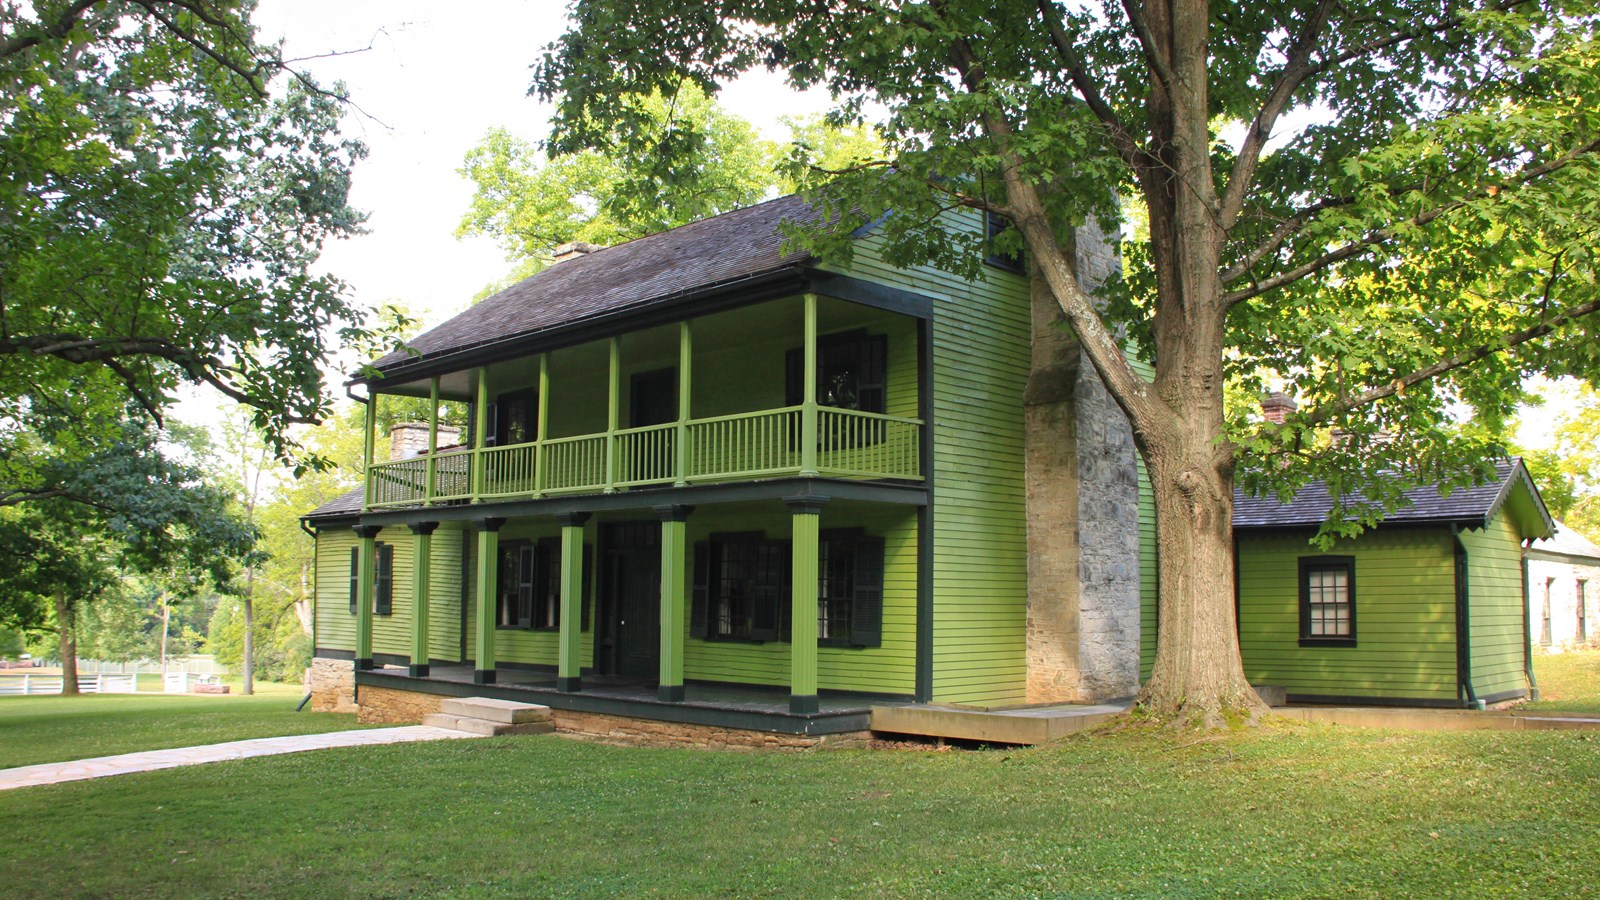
[573,250]
[1276,406]
[409,439]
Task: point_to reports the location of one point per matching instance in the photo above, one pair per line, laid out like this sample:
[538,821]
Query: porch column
[807,516]
[421,565]
[568,660]
[685,359]
[488,587]
[808,391]
[368,446]
[366,565]
[674,547]
[431,467]
[480,425]
[542,429]
[613,414]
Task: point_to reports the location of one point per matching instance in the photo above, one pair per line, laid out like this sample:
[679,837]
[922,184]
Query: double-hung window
[743,589]
[528,594]
[382,579]
[1328,600]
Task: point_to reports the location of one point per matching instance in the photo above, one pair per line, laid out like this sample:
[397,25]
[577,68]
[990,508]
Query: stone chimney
[409,439]
[1276,406]
[573,250]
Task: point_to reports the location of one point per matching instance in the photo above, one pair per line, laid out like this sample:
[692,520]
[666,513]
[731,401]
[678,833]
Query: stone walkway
[150,760]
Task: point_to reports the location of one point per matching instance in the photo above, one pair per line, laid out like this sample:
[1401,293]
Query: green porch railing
[849,444]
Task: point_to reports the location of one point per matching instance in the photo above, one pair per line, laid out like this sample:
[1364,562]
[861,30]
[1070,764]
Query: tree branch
[1382,235]
[1158,63]
[1132,154]
[1457,361]
[60,28]
[1297,67]
[1286,229]
[1128,389]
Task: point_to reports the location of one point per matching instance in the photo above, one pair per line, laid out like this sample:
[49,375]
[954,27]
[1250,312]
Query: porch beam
[366,564]
[674,588]
[569,660]
[808,392]
[806,514]
[488,583]
[685,383]
[613,412]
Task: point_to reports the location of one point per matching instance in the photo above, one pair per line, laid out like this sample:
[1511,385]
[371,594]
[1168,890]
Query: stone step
[506,712]
[471,725]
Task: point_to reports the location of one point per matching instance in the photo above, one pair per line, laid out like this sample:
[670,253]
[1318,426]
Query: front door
[632,586]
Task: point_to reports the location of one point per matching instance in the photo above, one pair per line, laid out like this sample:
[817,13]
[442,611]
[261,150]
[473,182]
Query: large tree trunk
[68,646]
[1198,676]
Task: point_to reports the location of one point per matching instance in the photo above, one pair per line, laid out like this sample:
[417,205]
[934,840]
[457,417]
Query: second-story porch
[804,385]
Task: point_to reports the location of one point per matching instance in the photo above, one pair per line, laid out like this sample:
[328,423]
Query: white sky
[436,78]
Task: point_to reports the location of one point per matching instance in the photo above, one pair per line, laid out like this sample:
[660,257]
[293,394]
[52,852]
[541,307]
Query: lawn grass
[1568,682]
[56,729]
[1287,810]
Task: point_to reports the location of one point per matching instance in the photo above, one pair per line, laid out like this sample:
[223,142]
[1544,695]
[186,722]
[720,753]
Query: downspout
[1527,629]
[313,532]
[1464,691]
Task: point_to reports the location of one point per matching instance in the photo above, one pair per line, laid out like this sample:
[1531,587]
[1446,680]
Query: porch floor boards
[746,707]
[716,696]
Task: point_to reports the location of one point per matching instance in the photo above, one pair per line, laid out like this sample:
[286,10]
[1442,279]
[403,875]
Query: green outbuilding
[1426,609]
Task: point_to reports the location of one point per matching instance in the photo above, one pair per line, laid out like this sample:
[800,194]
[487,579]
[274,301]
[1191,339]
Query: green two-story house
[710,482]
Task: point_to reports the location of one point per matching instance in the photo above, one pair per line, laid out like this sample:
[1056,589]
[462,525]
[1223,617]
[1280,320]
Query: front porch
[718,706]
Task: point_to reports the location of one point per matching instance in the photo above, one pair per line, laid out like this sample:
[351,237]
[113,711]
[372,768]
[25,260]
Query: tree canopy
[1389,210]
[168,183]
[701,161]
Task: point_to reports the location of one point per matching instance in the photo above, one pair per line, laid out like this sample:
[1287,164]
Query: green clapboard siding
[391,635]
[1494,578]
[981,358]
[1405,616]
[336,627]
[1148,571]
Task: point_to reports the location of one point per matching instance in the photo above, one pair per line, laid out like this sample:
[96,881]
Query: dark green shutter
[491,431]
[355,577]
[383,599]
[700,594]
[526,576]
[767,600]
[583,587]
[872,381]
[866,595]
[786,599]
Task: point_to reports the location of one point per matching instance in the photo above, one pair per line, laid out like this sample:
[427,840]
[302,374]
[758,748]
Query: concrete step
[506,712]
[472,725]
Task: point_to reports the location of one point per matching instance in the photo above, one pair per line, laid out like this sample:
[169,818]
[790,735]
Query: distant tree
[531,203]
[127,507]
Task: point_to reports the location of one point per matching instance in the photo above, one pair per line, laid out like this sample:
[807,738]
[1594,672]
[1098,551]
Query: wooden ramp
[1021,725]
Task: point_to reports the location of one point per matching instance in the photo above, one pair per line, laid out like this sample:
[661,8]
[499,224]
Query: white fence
[51,684]
[194,665]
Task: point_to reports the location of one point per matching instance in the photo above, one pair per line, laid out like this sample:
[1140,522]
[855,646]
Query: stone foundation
[332,685]
[388,706]
[391,706]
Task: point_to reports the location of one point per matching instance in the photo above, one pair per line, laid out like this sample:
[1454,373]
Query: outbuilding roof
[1568,543]
[721,250]
[1468,507]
